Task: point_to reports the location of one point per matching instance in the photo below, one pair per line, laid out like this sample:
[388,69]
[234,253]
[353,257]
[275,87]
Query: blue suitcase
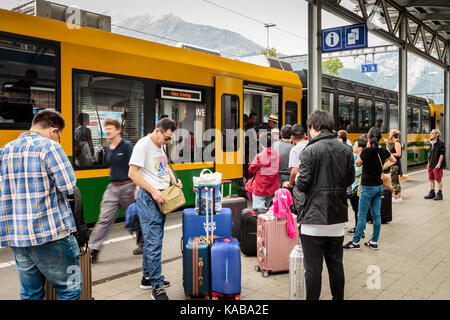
[226,268]
[194,225]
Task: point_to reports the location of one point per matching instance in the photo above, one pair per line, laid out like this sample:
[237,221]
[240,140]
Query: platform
[413,258]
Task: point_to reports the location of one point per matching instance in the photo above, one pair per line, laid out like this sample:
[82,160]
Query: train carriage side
[90,75]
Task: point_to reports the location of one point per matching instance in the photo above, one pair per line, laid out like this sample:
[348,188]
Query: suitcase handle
[230,183]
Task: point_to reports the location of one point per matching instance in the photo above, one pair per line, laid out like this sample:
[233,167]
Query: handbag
[174,196]
[386,177]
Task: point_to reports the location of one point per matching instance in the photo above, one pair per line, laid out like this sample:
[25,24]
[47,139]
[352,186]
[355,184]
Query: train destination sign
[179,94]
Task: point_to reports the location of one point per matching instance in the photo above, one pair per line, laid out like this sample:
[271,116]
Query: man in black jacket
[436,164]
[326,171]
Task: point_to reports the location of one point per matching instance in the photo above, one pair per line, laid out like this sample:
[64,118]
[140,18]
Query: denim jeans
[57,261]
[261,201]
[370,198]
[152,225]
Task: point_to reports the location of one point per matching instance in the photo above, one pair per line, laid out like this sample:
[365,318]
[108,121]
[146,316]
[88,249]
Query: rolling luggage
[249,221]
[236,204]
[273,245]
[386,208]
[297,285]
[86,276]
[196,268]
[226,268]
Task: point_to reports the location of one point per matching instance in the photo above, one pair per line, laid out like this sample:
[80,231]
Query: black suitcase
[249,221]
[386,208]
[236,204]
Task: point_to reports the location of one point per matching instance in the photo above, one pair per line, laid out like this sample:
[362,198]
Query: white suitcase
[297,286]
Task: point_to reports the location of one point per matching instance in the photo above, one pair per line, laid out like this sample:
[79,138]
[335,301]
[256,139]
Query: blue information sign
[344,38]
[369,68]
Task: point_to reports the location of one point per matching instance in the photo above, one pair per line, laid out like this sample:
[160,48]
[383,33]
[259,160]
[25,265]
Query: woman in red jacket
[265,169]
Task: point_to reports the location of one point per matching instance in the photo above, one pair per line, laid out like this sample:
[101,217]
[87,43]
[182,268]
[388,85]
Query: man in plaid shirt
[36,221]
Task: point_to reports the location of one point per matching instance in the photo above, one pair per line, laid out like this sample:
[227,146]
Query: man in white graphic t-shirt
[150,171]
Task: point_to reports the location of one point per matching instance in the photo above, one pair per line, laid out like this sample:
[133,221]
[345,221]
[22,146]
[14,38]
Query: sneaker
[159,293]
[371,245]
[94,255]
[394,200]
[399,200]
[438,196]
[430,195]
[146,284]
[352,246]
[351,231]
[138,251]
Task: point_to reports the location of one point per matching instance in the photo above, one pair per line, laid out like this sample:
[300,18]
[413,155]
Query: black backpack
[83,232]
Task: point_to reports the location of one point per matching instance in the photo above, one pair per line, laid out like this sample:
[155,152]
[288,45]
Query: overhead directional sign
[344,38]
[369,68]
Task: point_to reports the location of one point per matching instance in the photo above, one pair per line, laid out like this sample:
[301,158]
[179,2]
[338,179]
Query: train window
[346,114]
[393,116]
[409,118]
[190,118]
[28,81]
[380,115]
[97,98]
[365,117]
[426,125]
[291,112]
[230,122]
[415,128]
[328,102]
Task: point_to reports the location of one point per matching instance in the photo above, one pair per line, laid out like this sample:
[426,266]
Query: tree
[332,66]
[272,52]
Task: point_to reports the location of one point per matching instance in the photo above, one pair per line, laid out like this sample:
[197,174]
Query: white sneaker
[394,200]
[399,200]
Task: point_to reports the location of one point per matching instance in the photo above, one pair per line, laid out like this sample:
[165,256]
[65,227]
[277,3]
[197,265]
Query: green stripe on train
[92,190]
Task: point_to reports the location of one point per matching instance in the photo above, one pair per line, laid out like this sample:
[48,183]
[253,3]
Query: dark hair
[361,143]
[166,124]
[163,116]
[49,118]
[112,122]
[320,120]
[286,131]
[298,131]
[343,136]
[265,139]
[252,114]
[335,134]
[245,118]
[374,136]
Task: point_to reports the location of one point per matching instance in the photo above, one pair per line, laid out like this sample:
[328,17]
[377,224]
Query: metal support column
[446,133]
[403,96]
[314,55]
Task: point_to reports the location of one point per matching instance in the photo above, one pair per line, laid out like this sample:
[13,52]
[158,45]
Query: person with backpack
[373,159]
[120,191]
[436,164]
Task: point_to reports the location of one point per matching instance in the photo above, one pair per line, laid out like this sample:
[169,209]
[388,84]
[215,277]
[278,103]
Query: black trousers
[354,200]
[315,249]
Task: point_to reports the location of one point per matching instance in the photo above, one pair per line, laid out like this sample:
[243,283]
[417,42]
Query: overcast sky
[289,15]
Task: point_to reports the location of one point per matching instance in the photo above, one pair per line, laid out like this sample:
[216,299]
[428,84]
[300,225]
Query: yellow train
[89,75]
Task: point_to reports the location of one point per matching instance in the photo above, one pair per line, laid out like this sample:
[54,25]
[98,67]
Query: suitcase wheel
[257,268]
[265,274]
[237,297]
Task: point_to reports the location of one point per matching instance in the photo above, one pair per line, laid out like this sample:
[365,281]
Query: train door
[229,125]
[291,112]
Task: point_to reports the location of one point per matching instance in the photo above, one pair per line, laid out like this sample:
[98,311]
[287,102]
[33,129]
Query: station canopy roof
[428,23]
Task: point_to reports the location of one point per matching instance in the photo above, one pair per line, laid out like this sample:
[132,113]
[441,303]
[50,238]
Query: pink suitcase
[273,245]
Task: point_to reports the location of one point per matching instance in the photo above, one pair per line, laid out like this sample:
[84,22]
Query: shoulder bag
[174,196]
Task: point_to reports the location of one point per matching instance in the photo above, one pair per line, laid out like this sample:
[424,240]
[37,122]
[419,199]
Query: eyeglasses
[166,138]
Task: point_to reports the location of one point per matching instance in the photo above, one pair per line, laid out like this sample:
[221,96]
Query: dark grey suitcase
[386,208]
[236,204]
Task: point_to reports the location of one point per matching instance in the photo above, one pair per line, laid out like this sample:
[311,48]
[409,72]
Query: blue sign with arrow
[345,38]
